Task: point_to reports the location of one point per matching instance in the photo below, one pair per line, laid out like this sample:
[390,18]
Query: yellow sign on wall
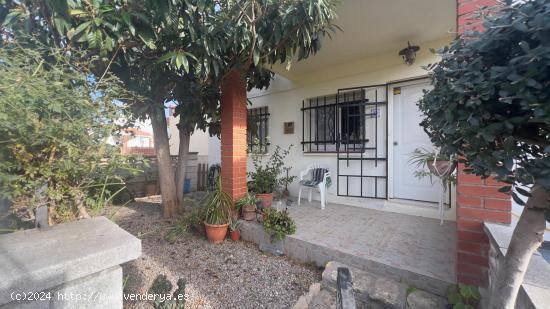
[396,90]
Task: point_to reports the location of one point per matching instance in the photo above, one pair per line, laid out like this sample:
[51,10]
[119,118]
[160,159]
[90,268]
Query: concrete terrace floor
[421,247]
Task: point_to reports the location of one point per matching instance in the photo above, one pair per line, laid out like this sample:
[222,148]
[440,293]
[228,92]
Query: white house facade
[352,107]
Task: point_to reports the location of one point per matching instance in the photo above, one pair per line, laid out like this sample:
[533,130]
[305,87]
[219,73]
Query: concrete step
[309,252]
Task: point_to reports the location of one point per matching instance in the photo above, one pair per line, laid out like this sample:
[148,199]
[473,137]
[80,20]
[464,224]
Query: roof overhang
[374,27]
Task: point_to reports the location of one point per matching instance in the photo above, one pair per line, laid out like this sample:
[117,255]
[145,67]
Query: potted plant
[438,164]
[217,214]
[247,206]
[267,177]
[234,231]
[277,224]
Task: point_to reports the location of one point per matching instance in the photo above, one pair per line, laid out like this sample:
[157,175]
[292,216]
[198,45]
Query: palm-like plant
[217,208]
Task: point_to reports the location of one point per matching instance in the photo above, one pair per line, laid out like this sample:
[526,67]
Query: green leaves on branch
[178,59]
[278,224]
[59,128]
[490,101]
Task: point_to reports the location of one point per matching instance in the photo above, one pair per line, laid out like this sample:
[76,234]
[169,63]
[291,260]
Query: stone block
[66,257]
[370,290]
[423,300]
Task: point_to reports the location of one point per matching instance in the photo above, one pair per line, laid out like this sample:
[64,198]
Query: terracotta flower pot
[441,168]
[249,212]
[267,199]
[235,235]
[216,233]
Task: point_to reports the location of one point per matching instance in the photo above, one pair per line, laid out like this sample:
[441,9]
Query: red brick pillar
[233,135]
[477,200]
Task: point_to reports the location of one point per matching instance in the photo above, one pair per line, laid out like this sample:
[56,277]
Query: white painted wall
[214,150]
[198,143]
[284,99]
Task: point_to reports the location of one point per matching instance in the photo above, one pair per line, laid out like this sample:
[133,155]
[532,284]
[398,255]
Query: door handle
[394,143]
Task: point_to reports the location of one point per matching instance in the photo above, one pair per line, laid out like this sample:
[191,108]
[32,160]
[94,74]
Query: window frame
[260,117]
[311,141]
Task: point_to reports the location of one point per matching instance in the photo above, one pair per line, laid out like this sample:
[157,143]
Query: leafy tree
[491,105]
[56,123]
[162,44]
[133,39]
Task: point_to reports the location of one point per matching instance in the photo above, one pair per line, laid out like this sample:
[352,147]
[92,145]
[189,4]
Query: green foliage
[248,199]
[278,224]
[271,175]
[463,296]
[56,123]
[156,45]
[234,225]
[183,225]
[490,101]
[410,289]
[161,288]
[420,158]
[217,206]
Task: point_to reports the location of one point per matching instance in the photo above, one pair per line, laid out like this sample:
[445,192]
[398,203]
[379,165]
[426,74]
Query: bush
[490,97]
[278,224]
[270,175]
[490,105]
[58,127]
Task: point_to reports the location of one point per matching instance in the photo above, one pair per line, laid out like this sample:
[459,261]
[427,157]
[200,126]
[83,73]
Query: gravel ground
[229,275]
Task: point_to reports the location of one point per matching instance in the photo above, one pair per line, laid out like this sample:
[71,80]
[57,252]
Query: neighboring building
[199,142]
[137,141]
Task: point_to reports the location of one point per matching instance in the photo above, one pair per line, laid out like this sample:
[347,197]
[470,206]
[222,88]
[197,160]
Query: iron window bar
[320,132]
[257,129]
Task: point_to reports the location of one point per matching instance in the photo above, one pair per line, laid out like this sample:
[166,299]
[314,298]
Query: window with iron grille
[257,129]
[330,121]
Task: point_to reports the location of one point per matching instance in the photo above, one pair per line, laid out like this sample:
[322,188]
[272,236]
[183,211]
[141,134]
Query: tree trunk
[165,171]
[183,151]
[526,239]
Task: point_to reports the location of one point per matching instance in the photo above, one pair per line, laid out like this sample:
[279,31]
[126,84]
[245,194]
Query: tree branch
[254,38]
[107,68]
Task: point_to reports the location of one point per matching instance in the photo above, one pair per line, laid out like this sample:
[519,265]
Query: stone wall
[136,183]
[72,265]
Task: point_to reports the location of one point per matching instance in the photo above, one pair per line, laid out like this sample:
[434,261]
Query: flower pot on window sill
[266,198]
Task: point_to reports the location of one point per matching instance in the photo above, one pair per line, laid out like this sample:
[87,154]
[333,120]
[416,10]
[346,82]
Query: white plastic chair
[317,179]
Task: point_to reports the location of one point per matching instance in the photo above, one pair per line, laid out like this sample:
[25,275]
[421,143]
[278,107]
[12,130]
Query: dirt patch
[229,275]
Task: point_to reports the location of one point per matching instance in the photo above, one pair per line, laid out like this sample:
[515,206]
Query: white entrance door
[408,135]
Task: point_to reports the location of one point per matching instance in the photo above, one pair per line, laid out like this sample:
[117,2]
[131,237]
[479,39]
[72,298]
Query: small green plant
[248,199]
[463,296]
[217,208]
[234,225]
[268,177]
[421,158]
[278,224]
[189,219]
[161,288]
[411,289]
